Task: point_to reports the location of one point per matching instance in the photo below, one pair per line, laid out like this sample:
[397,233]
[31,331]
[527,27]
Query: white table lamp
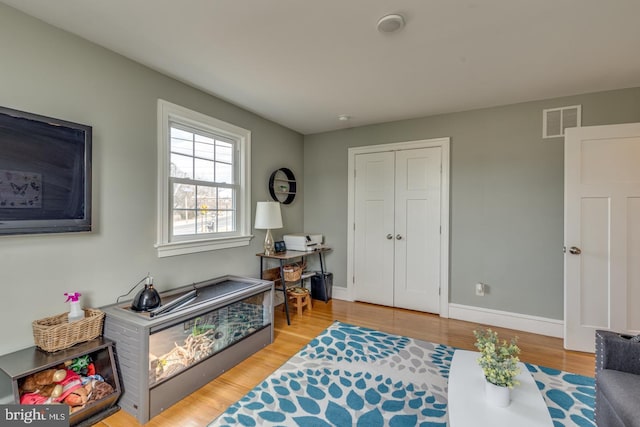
[268,217]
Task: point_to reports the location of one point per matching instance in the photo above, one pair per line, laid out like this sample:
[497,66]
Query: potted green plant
[499,362]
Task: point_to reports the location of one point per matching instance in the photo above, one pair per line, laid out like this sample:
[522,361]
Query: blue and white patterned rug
[355,376]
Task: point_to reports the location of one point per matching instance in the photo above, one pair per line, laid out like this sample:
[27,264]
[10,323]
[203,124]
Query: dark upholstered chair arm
[617,399]
[618,352]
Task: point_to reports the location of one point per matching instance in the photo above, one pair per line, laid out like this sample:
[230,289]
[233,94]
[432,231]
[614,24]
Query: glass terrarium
[183,345]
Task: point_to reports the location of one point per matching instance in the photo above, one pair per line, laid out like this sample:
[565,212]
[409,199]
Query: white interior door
[602,232]
[417,229]
[373,234]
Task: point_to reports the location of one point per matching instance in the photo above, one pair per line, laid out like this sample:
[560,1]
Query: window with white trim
[203,188]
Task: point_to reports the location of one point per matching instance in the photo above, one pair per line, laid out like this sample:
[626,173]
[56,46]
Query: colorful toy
[50,386]
[65,385]
[77,398]
[82,365]
[44,383]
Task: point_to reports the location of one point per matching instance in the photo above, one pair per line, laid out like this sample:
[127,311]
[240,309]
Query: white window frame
[167,113]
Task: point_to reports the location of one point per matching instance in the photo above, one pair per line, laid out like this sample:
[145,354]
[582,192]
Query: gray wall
[506,196]
[50,72]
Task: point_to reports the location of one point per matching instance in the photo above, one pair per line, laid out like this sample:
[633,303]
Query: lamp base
[269,248]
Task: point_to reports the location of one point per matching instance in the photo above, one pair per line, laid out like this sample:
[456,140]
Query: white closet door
[397,228]
[373,237]
[417,229]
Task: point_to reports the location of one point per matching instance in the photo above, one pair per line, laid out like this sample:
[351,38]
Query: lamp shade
[268,215]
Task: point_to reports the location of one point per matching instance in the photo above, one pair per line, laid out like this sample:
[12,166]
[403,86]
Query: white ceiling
[302,63]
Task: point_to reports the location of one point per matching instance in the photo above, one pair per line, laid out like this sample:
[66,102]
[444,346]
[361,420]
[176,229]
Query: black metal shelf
[290,192]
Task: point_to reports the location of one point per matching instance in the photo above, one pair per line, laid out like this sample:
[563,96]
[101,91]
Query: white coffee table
[468,407]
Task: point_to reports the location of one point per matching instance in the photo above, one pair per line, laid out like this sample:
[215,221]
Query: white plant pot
[497,395]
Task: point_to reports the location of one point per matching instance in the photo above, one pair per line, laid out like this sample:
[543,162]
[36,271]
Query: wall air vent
[556,120]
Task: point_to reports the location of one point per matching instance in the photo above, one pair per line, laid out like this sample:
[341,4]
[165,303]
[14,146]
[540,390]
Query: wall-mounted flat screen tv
[45,174]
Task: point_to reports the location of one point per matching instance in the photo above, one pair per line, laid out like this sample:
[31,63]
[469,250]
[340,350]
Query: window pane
[184,222]
[204,150]
[225,199]
[181,134]
[206,221]
[224,152]
[181,166]
[206,197]
[184,196]
[204,170]
[181,146]
[224,173]
[204,138]
[225,221]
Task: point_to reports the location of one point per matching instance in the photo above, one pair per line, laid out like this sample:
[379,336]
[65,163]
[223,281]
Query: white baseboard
[505,319]
[341,293]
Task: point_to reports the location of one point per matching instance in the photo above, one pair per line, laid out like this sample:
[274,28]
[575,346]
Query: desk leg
[324,282]
[284,291]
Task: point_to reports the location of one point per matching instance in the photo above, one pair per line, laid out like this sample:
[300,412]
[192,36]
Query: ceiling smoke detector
[390,23]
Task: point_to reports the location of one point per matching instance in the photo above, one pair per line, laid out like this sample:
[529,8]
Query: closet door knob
[575,250]
[399,237]
[389,236]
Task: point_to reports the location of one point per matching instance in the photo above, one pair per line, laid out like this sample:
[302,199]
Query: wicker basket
[55,333]
[293,272]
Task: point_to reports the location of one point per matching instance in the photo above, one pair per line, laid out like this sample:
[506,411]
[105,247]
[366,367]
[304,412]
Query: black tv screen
[45,174]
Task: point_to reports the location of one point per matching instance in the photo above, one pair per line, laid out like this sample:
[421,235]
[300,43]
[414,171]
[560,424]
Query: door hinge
[354,226]
[353,279]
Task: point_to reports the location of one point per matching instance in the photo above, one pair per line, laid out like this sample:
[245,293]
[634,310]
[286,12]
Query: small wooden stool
[300,297]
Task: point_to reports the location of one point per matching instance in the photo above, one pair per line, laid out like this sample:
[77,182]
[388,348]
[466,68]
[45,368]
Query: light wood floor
[199,408]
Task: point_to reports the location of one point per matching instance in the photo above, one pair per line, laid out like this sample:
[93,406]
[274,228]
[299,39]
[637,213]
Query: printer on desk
[302,242]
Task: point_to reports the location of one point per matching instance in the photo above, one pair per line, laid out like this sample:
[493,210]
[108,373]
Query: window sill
[194,246]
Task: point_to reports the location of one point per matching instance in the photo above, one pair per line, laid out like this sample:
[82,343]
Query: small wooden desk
[284,258]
